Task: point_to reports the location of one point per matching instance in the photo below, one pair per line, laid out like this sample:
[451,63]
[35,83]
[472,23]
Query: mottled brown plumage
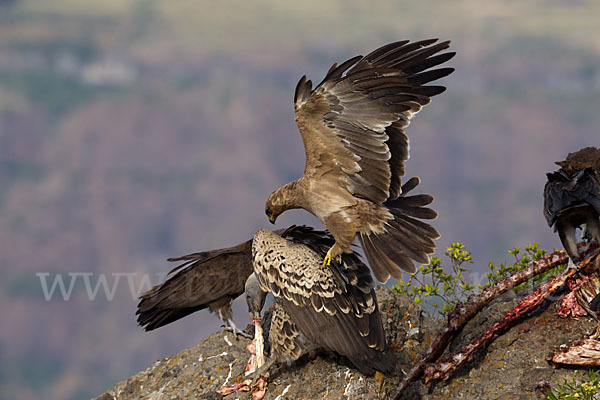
[286,340]
[572,198]
[352,125]
[334,308]
[211,279]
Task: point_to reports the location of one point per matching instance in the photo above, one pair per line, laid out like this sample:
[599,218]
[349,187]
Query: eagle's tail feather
[406,239]
[382,266]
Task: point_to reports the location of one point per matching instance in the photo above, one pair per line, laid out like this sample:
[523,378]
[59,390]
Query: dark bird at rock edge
[353,129]
[572,198]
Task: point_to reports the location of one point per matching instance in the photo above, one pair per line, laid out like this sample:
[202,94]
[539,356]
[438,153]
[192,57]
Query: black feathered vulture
[572,198]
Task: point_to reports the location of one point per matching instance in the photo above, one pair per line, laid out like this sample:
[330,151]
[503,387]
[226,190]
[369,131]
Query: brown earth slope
[508,370]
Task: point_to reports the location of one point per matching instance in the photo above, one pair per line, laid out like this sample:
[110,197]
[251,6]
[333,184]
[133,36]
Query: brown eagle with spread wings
[352,125]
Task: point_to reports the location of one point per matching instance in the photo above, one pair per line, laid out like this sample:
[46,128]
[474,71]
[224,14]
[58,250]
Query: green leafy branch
[442,290]
[532,253]
[430,282]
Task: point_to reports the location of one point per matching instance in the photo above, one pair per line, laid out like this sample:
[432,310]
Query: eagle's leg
[566,232]
[228,324]
[331,255]
[592,228]
[231,327]
[343,229]
[327,259]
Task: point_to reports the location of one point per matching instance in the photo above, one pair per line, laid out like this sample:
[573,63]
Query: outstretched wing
[211,279]
[352,124]
[334,308]
[207,279]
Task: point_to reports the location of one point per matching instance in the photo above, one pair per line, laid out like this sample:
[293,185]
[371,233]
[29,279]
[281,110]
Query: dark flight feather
[406,239]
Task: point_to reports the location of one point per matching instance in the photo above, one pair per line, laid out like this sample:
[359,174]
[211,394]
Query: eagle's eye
[270,215]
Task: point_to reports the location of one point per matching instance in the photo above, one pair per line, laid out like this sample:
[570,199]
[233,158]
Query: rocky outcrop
[509,369]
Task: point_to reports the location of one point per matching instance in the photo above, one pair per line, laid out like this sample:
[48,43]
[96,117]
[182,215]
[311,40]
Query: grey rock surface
[508,369]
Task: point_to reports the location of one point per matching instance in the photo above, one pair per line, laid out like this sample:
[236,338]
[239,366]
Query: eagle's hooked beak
[272,219]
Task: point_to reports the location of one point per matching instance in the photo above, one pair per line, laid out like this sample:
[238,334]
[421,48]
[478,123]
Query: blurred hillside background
[135,130]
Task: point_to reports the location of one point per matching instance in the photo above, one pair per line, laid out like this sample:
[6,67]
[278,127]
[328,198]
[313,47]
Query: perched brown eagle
[211,279]
[333,308]
[352,125]
[572,198]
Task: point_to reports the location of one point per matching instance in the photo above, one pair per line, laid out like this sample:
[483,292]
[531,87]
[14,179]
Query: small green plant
[436,289]
[441,290]
[532,253]
[589,389]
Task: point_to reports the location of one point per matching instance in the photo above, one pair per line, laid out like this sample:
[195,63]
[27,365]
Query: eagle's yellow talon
[327,260]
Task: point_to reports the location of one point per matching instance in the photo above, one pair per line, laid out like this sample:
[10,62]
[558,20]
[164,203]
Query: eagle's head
[270,211]
[279,201]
